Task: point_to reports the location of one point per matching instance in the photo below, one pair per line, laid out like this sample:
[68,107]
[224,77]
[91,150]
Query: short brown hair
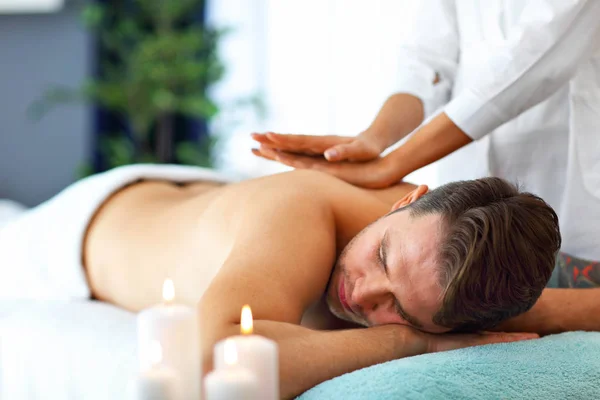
[498,251]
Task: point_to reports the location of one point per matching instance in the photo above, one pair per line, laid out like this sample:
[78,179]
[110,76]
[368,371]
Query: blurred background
[87,86]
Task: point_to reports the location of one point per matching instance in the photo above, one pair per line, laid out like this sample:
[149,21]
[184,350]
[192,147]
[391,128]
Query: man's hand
[374,174]
[332,148]
[446,341]
[411,342]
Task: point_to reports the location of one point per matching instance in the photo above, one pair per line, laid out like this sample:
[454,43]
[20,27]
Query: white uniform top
[529,72]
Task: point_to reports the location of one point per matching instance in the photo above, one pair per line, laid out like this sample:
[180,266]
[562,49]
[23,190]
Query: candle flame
[168,291]
[230,352]
[246,320]
[156,352]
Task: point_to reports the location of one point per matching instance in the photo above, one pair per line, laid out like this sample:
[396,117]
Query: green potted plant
[156,64]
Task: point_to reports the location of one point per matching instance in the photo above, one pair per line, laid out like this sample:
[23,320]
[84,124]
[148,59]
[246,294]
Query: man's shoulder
[305,191]
[308,188]
[306,178]
[286,193]
[316,186]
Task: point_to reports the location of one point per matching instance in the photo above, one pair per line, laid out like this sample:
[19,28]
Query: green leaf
[198,106]
[84,170]
[191,153]
[147,158]
[51,98]
[167,13]
[93,15]
[111,95]
[118,150]
[164,100]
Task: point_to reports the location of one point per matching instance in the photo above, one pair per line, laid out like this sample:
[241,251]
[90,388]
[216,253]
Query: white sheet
[41,250]
[9,210]
[65,350]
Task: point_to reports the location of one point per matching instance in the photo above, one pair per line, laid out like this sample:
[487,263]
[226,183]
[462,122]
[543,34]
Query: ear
[411,197]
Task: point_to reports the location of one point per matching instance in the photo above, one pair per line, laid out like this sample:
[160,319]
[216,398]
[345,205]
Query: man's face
[388,274]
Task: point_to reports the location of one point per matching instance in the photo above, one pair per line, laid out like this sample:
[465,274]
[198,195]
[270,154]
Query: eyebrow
[385,244]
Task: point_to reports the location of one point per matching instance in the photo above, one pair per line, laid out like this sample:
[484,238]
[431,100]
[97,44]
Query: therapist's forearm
[559,310]
[431,142]
[401,114]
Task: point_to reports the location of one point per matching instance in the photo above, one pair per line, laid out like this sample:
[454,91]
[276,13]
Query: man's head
[464,256]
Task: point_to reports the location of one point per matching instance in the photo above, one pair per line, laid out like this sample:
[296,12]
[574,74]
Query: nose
[367,294]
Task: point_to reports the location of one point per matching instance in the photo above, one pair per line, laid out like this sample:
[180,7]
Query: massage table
[87,350]
[76,348]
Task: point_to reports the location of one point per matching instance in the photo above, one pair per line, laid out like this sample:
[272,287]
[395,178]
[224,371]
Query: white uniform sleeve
[553,38]
[430,50]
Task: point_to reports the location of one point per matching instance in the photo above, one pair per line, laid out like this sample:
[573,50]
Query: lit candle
[231,382]
[158,382]
[175,327]
[256,353]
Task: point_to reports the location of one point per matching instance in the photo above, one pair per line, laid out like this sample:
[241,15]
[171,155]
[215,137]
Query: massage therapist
[514,85]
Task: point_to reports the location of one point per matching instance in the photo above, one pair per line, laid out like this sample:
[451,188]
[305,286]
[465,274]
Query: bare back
[153,230]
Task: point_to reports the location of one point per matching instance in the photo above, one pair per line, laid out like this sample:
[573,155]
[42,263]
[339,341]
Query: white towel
[41,250]
[9,210]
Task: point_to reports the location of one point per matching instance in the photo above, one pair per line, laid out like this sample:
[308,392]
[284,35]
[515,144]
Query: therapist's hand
[376,173]
[332,148]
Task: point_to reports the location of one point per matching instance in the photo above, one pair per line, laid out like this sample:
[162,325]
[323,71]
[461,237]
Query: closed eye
[380,259]
[382,253]
[398,309]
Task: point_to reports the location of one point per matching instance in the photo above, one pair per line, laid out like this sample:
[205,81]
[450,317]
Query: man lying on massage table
[315,256]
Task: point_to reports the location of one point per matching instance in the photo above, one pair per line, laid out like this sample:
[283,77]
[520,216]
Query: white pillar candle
[175,327]
[256,353]
[156,383]
[231,382]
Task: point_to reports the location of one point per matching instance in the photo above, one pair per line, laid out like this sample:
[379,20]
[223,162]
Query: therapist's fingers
[357,150]
[267,153]
[257,153]
[333,148]
[372,174]
[291,159]
[294,160]
[301,144]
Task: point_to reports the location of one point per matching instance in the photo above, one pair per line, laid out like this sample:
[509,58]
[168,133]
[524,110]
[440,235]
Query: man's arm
[559,310]
[308,357]
[575,306]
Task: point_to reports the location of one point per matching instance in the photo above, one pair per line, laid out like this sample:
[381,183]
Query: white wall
[323,67]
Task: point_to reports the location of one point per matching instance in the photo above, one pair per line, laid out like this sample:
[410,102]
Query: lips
[342,295]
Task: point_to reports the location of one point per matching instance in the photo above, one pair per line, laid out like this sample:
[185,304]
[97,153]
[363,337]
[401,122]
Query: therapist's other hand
[332,148]
[373,174]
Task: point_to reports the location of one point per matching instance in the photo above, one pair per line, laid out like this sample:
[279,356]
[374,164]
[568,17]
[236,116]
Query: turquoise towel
[565,366]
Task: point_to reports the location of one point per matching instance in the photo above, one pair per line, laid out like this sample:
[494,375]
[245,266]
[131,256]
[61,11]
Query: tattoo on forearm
[577,273]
